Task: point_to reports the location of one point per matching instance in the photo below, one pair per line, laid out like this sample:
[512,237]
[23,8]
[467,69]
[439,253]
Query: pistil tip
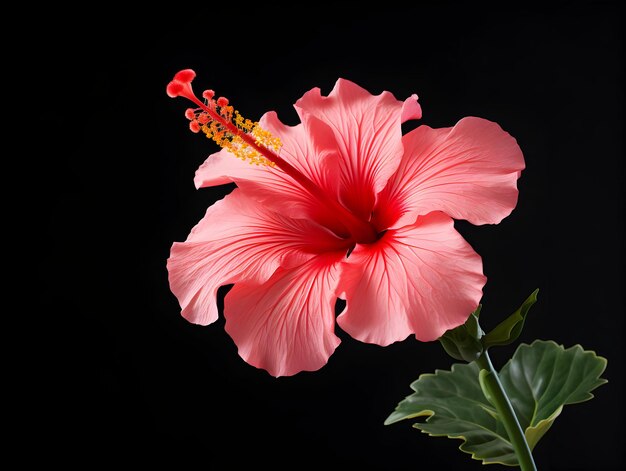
[181,84]
[185,75]
[174,88]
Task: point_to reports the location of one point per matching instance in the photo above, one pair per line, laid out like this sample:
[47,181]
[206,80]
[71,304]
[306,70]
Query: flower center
[245,139]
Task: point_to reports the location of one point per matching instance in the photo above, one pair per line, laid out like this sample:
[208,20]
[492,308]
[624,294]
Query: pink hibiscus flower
[344,206]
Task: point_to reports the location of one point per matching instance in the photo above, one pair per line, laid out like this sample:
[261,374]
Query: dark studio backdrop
[126,373]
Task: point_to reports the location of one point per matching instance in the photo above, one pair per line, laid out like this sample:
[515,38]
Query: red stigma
[174,88]
[186,75]
[181,85]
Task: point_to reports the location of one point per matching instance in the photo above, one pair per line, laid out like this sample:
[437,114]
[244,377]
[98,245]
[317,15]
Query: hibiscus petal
[237,239]
[368,137]
[223,167]
[270,185]
[286,325]
[299,150]
[265,184]
[411,109]
[422,279]
[469,172]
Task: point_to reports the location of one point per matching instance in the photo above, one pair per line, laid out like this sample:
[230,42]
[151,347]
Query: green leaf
[534,433]
[540,379]
[509,329]
[543,377]
[463,342]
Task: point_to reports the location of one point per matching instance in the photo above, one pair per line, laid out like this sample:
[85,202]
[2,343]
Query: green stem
[507,414]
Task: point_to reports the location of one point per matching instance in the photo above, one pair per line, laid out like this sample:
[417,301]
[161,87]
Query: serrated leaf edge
[462,437]
[429,413]
[578,346]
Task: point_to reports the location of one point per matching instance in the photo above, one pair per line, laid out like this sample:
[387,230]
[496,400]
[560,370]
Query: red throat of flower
[245,139]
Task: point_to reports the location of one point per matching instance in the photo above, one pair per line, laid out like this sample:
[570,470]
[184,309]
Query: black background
[124,372]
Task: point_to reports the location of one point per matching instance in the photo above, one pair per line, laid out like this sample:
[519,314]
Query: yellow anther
[229,137]
[223,124]
[264,138]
